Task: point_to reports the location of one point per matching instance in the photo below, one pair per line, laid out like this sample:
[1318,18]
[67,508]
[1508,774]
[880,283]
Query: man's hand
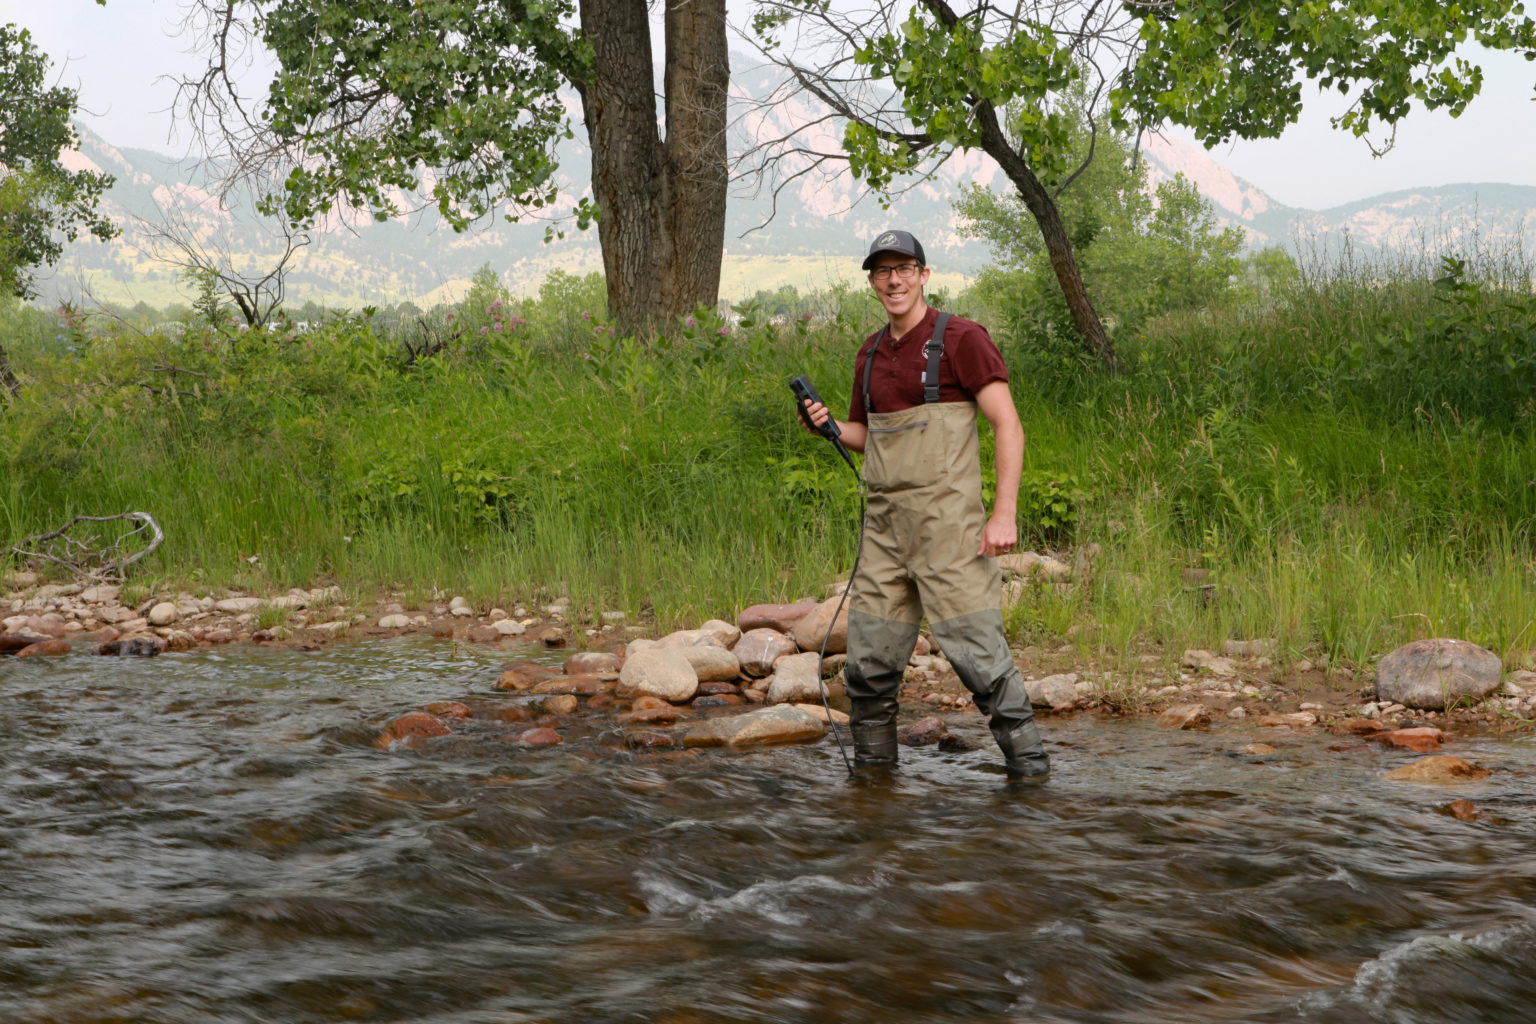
[999,536]
[818,414]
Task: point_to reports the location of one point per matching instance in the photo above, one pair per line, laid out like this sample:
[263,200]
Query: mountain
[809,231]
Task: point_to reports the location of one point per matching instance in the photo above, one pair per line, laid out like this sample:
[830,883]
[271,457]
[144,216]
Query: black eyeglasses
[902,270]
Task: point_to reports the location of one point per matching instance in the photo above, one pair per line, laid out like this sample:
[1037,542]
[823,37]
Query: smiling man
[929,544]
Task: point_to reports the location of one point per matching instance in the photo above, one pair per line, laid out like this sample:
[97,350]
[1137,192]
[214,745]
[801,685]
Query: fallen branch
[87,559]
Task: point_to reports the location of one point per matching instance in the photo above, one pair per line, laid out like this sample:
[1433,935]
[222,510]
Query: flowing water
[211,837]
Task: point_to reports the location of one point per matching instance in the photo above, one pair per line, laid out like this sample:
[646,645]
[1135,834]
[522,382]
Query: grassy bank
[1348,465]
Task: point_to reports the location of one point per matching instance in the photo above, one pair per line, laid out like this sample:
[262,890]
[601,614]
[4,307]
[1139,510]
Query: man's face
[899,281]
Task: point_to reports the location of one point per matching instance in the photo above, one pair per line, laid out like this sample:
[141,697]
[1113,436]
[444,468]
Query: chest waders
[922,530]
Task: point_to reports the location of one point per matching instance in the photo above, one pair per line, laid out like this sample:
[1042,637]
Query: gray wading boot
[873,724]
[1024,755]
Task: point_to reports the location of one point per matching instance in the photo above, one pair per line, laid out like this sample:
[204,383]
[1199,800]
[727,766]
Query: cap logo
[889,238]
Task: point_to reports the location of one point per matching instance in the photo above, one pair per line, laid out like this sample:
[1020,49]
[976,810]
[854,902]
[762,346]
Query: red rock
[602,700]
[1463,810]
[542,737]
[645,700]
[650,740]
[1359,727]
[407,726]
[509,713]
[520,675]
[448,709]
[43,648]
[715,687]
[583,685]
[485,634]
[1187,716]
[716,700]
[1421,740]
[922,732]
[781,617]
[217,636]
[560,704]
[653,715]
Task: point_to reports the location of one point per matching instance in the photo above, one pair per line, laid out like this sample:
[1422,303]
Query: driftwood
[88,559]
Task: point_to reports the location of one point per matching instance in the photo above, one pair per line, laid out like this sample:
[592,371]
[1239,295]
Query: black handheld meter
[804,392]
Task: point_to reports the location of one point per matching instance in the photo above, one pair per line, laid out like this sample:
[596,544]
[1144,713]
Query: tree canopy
[42,204]
[997,78]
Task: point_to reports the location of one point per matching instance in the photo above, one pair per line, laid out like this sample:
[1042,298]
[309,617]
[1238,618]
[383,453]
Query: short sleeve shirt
[970,362]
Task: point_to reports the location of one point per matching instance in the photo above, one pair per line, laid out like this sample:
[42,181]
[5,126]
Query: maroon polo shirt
[970,362]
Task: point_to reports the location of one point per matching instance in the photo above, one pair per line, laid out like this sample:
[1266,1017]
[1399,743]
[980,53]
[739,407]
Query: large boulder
[1436,674]
[781,617]
[782,724]
[713,664]
[758,649]
[663,672]
[796,679]
[810,631]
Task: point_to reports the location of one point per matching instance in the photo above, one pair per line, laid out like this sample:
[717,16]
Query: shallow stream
[211,837]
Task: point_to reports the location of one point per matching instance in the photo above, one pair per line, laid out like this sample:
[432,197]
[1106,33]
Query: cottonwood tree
[916,80]
[376,103]
[42,204]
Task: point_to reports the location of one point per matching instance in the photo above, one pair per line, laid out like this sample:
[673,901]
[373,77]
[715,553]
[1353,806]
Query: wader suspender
[933,349]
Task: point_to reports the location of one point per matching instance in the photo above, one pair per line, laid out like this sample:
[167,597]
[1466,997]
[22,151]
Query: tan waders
[921,534]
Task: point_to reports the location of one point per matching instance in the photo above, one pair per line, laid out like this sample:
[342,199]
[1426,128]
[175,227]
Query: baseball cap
[895,241]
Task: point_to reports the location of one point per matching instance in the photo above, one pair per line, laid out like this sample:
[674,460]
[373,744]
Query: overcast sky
[119,56]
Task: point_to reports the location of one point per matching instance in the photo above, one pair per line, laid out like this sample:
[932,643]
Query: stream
[212,837]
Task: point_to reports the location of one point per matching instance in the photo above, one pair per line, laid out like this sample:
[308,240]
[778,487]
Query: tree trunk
[661,206]
[619,108]
[695,172]
[1038,199]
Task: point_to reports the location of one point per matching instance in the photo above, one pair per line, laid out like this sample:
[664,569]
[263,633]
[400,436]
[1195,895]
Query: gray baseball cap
[898,242]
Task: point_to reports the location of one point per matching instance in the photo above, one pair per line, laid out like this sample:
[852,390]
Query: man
[928,543]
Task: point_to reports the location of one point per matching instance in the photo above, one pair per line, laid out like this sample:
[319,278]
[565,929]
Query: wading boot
[873,724]
[1024,755]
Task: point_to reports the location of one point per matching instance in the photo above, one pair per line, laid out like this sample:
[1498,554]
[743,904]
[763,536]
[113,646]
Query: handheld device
[804,392]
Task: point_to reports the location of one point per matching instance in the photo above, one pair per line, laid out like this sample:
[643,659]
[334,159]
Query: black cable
[821,655]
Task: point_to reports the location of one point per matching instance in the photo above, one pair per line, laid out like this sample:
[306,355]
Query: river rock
[395,621]
[823,713]
[1185,716]
[236,605]
[460,608]
[1288,720]
[523,674]
[1249,649]
[44,648]
[1443,768]
[100,594]
[784,723]
[809,632]
[1420,740]
[484,634]
[589,662]
[781,617]
[11,643]
[1521,681]
[13,624]
[923,732]
[1028,563]
[1437,673]
[541,737]
[114,614]
[649,739]
[659,672]
[509,627]
[413,726]
[585,685]
[133,647]
[20,579]
[758,649]
[653,716]
[796,678]
[1052,691]
[448,709]
[558,704]
[712,664]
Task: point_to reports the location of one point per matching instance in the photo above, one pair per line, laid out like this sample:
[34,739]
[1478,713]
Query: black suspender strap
[933,350]
[869,366]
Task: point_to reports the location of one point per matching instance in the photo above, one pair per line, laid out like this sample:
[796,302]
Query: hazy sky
[119,56]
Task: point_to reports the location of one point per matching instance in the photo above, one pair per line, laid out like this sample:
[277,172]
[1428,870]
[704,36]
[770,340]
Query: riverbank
[1248,686]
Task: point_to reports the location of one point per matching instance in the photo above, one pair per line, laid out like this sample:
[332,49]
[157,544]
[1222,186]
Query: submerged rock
[410,729]
[1420,740]
[1438,673]
[1443,768]
[44,648]
[133,647]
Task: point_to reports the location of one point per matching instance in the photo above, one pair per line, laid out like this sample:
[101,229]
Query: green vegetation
[1348,458]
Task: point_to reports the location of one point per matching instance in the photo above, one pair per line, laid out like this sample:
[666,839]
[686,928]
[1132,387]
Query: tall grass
[1350,462]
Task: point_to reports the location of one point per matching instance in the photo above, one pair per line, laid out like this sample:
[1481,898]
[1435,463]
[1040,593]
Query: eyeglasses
[901,270]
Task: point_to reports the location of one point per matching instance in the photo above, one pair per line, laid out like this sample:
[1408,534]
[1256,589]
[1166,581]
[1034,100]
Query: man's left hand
[999,536]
